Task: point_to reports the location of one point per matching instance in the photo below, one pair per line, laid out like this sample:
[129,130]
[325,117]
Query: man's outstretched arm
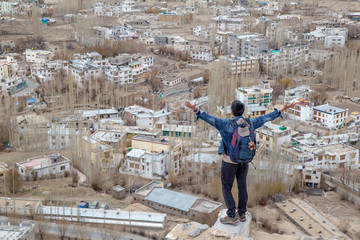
[260,121]
[213,121]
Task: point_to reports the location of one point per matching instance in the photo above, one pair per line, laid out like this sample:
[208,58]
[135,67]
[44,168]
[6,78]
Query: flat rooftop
[13,232]
[150,139]
[206,206]
[171,199]
[329,109]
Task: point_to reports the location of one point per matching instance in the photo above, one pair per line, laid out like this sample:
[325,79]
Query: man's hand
[288,105]
[191,106]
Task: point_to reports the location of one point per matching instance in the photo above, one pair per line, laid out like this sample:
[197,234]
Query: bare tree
[62,227]
[13,180]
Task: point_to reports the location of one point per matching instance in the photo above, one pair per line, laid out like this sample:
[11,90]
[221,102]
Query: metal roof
[171,199]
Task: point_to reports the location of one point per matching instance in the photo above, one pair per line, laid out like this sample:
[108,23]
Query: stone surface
[239,229]
[197,231]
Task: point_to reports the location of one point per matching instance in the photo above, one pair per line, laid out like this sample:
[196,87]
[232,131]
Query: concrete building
[290,58]
[160,145]
[226,23]
[176,203]
[146,164]
[240,65]
[302,92]
[302,111]
[311,177]
[160,40]
[329,116]
[246,44]
[146,118]
[119,74]
[24,231]
[202,164]
[59,136]
[324,153]
[273,136]
[38,56]
[8,75]
[330,36]
[99,114]
[49,71]
[201,53]
[7,8]
[42,167]
[257,94]
[117,192]
[115,138]
[202,31]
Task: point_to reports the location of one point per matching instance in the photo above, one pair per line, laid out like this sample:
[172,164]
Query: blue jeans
[228,173]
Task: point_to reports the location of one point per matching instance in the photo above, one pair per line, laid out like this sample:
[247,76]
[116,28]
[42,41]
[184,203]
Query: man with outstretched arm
[230,169]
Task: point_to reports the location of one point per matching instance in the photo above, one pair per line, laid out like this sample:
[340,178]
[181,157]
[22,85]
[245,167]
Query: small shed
[117,192]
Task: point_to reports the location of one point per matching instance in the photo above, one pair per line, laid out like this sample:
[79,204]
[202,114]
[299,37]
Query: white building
[288,59]
[171,81]
[330,36]
[240,65]
[329,116]
[150,120]
[45,166]
[273,136]
[38,56]
[311,177]
[201,54]
[247,44]
[302,111]
[8,7]
[118,74]
[257,94]
[302,92]
[48,71]
[8,70]
[226,23]
[82,70]
[99,114]
[60,136]
[202,31]
[147,165]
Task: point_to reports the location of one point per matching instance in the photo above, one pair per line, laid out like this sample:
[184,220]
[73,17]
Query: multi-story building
[240,65]
[48,71]
[84,69]
[226,23]
[221,37]
[273,136]
[324,153]
[288,59]
[311,177]
[146,164]
[8,70]
[202,31]
[201,54]
[257,94]
[302,111]
[329,116]
[118,74]
[9,7]
[302,92]
[330,36]
[38,56]
[202,164]
[159,145]
[152,119]
[45,166]
[247,44]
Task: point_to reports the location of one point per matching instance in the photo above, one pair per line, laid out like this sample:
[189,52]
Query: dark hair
[237,107]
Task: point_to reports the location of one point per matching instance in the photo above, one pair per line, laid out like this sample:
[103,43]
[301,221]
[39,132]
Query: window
[62,168]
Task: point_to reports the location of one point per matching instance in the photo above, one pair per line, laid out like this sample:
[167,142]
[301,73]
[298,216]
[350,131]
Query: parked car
[94,205]
[83,204]
[104,206]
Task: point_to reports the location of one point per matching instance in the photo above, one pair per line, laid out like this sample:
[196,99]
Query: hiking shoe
[241,216]
[229,220]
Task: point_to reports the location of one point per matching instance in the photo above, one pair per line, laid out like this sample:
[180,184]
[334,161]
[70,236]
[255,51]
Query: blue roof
[171,199]
[30,100]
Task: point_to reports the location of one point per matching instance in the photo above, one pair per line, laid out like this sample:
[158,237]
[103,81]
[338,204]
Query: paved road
[76,231]
[30,87]
[176,90]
